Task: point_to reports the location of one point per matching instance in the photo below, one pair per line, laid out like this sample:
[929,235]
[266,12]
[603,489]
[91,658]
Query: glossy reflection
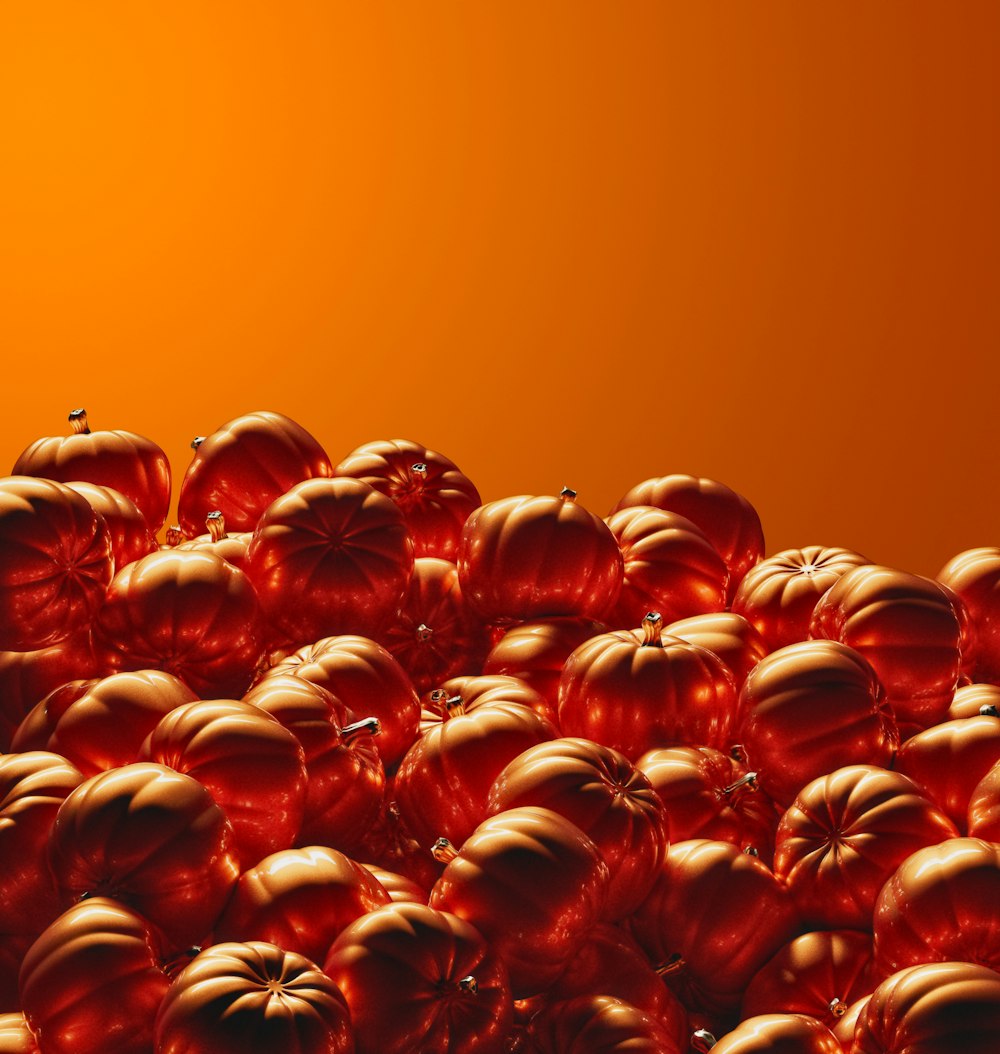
[779,1034]
[592,1023]
[726,634]
[131,536]
[974,575]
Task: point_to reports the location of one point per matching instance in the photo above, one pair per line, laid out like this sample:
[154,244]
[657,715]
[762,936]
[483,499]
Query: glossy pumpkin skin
[726,634]
[219,541]
[93,981]
[151,838]
[345,776]
[253,998]
[670,566]
[907,628]
[949,759]
[533,884]
[190,614]
[330,556]
[818,974]
[483,690]
[32,787]
[367,680]
[388,843]
[15,1036]
[401,890]
[421,981]
[938,906]
[101,724]
[983,818]
[937,1008]
[708,794]
[535,652]
[299,899]
[970,699]
[435,497]
[433,636]
[808,709]
[713,919]
[779,1034]
[131,536]
[26,677]
[607,797]
[443,783]
[524,558]
[844,836]
[253,767]
[636,691]
[727,518]
[974,575]
[124,461]
[245,465]
[778,595]
[55,563]
[600,1024]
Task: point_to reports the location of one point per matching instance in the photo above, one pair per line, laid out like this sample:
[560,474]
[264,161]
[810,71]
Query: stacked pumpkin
[354,762]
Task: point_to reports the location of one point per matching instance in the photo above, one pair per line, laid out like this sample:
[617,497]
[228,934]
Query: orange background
[563,242]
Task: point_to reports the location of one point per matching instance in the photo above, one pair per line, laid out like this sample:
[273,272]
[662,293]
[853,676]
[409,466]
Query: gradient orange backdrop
[563,242]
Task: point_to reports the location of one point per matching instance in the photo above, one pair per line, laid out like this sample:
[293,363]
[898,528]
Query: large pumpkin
[131,536]
[779,1034]
[974,575]
[729,635]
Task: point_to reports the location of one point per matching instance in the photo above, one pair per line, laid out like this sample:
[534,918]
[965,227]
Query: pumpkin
[726,634]
[218,540]
[779,1034]
[131,537]
[601,1024]
[974,575]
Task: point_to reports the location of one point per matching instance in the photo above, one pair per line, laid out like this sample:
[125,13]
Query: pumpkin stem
[419,470]
[568,494]
[78,419]
[443,851]
[469,985]
[988,710]
[652,634]
[702,1041]
[174,534]
[447,705]
[837,1007]
[673,965]
[216,524]
[424,633]
[751,850]
[737,753]
[197,441]
[368,726]
[749,781]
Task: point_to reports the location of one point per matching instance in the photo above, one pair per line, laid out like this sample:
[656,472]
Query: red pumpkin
[218,541]
[940,1008]
[949,760]
[244,466]
[533,884]
[843,837]
[600,791]
[974,576]
[94,980]
[55,563]
[535,652]
[534,557]
[190,614]
[711,921]
[433,635]
[253,998]
[101,724]
[600,1024]
[15,1036]
[636,691]
[131,537]
[367,680]
[729,636]
[938,906]
[817,974]
[345,776]
[300,899]
[389,844]
[708,794]
[433,495]
[983,818]
[444,780]
[779,1034]
[417,979]
[126,462]
[778,595]
[808,709]
[907,628]
[253,767]
[670,566]
[151,838]
[485,690]
[727,518]
[401,890]
[32,787]
[975,700]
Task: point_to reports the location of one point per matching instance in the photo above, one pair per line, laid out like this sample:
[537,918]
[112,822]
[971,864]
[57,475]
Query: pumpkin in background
[726,634]
[636,691]
[124,461]
[94,980]
[131,537]
[525,557]
[434,496]
[421,981]
[600,1023]
[219,541]
[974,575]
[778,595]
[245,465]
[190,614]
[253,998]
[55,563]
[329,556]
[727,518]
